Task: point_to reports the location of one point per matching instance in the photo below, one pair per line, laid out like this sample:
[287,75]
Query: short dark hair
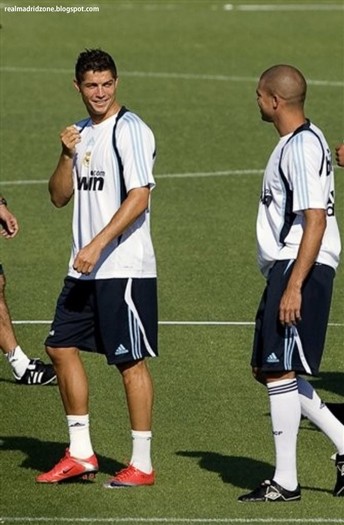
[286,81]
[94,60]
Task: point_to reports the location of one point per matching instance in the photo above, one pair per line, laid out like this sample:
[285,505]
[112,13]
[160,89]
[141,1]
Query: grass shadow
[43,455]
[239,471]
[330,381]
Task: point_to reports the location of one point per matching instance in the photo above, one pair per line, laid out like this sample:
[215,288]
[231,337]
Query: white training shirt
[98,179]
[299,176]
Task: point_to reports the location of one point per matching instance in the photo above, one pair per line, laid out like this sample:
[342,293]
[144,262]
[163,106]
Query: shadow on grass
[329,381]
[43,455]
[242,472]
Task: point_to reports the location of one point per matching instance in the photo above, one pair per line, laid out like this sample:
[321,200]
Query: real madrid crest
[87,158]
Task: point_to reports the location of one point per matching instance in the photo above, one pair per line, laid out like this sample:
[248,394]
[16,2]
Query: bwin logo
[90,184]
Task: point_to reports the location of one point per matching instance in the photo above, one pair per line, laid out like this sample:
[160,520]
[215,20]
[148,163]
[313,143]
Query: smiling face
[98,91]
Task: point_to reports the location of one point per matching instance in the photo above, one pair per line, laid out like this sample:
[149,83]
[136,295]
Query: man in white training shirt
[298,252]
[109,300]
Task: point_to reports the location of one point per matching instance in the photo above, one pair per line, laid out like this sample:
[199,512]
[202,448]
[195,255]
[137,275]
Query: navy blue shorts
[115,317]
[298,348]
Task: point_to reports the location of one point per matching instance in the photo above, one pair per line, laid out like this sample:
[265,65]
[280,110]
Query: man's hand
[70,137]
[8,222]
[87,258]
[290,306]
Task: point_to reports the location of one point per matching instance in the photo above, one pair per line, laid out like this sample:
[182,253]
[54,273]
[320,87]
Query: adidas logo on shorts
[272,358]
[121,350]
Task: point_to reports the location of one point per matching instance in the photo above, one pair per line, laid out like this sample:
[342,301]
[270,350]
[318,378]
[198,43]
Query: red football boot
[130,477]
[69,467]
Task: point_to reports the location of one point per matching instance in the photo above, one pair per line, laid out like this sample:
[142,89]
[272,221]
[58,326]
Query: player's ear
[275,101]
[76,85]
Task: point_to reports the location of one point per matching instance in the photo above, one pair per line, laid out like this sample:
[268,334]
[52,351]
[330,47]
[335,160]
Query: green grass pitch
[189,68]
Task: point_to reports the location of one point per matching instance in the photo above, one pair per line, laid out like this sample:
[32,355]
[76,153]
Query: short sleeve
[136,146]
[304,158]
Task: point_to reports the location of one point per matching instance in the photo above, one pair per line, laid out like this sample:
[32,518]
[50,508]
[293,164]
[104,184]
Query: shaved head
[285,81]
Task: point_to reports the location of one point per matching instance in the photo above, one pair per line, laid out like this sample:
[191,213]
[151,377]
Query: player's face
[98,91]
[265,102]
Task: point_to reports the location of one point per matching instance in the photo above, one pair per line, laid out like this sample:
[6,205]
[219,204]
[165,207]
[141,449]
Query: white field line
[179,76]
[154,5]
[26,519]
[172,323]
[167,323]
[224,173]
[284,7]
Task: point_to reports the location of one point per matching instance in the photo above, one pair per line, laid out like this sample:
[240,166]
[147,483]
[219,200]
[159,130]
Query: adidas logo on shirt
[272,358]
[121,350]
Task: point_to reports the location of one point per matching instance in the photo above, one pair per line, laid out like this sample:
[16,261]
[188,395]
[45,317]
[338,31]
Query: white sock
[18,360]
[316,411]
[79,435]
[141,455]
[285,416]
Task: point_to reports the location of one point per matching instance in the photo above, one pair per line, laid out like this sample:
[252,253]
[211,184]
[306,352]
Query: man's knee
[132,370]
[60,355]
[52,353]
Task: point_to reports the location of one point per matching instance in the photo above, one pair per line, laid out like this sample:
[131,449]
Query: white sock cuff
[75,420]
[16,353]
[284,386]
[141,434]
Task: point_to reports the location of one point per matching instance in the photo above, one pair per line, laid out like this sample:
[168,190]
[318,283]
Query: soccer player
[109,300]
[26,371]
[298,253]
